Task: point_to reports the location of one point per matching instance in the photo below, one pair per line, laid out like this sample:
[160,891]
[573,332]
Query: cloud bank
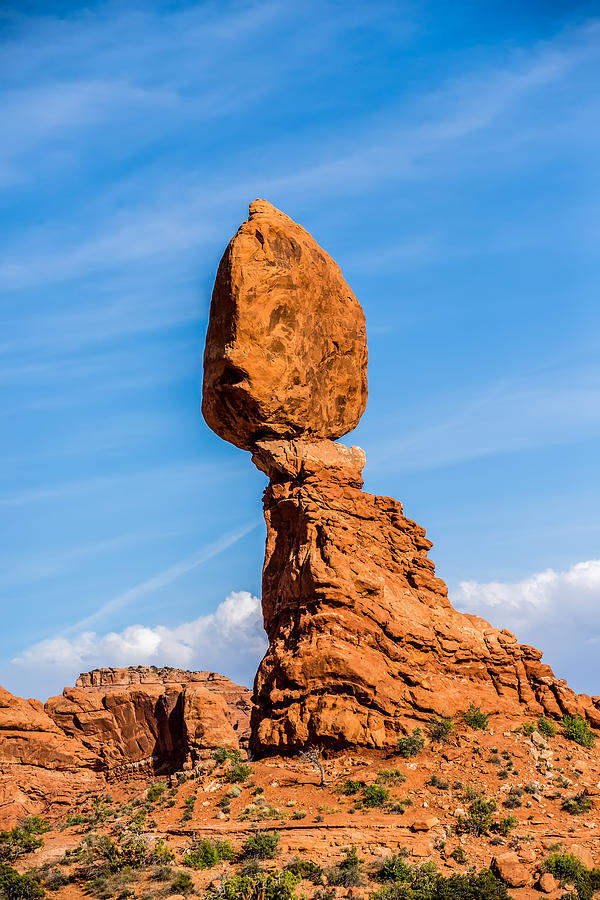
[558,612]
[231,641]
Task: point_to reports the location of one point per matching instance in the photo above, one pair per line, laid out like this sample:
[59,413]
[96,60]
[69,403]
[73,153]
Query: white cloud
[558,612]
[231,641]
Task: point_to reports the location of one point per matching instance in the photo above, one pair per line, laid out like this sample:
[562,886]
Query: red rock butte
[362,637]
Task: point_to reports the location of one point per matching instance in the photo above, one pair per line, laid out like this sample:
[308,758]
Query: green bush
[18,887]
[475,718]
[459,855]
[207,854]
[155,791]
[528,728]
[307,869]
[393,868]
[238,773]
[391,776]
[506,825]
[348,872]
[374,795]
[437,782]
[258,886]
[351,787]
[578,804]
[480,818]
[23,838]
[426,883]
[578,730]
[412,744]
[546,727]
[182,883]
[221,754]
[568,869]
[262,845]
[440,729]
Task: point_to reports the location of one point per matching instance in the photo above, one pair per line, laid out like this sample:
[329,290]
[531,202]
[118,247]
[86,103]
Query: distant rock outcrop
[362,636]
[114,722]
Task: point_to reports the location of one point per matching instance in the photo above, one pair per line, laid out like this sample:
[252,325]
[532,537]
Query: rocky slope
[362,637]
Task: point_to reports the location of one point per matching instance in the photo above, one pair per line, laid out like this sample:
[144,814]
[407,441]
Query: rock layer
[362,637]
[286,350]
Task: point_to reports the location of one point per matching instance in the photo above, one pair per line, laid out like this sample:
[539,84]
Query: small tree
[313,755]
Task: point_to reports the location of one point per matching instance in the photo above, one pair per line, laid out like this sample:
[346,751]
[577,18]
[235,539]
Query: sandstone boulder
[286,351]
[510,870]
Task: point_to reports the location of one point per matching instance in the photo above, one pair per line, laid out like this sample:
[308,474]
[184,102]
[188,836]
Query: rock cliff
[362,637]
[114,722]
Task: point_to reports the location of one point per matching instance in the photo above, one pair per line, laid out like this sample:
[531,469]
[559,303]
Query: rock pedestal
[363,640]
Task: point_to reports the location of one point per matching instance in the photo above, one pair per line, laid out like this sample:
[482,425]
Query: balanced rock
[362,637]
[286,350]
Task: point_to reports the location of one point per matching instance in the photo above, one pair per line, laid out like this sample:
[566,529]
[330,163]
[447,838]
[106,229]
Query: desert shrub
[527,728]
[475,718]
[262,845]
[480,817]
[349,787]
[578,730]
[222,753]
[437,782]
[411,744]
[564,866]
[578,804]
[163,873]
[426,883]
[307,869]
[348,872]
[505,825]
[188,808]
[374,795]
[182,883]
[238,773]
[299,814]
[459,855]
[513,799]
[18,887]
[258,886]
[207,854]
[546,727]
[440,729]
[568,869]
[155,791]
[391,776]
[393,868]
[23,838]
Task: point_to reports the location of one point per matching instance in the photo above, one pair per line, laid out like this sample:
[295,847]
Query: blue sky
[446,155]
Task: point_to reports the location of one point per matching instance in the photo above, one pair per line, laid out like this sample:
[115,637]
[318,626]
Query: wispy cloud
[172,473]
[165,577]
[510,415]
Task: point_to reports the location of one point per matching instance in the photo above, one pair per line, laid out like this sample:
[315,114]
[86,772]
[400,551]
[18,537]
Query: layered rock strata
[362,637]
[115,722]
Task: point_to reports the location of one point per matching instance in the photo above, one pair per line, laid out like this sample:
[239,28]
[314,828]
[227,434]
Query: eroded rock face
[40,766]
[362,637]
[286,350]
[115,722]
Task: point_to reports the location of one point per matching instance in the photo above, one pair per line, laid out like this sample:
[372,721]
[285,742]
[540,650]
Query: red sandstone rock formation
[362,635]
[39,764]
[286,350]
[115,721]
